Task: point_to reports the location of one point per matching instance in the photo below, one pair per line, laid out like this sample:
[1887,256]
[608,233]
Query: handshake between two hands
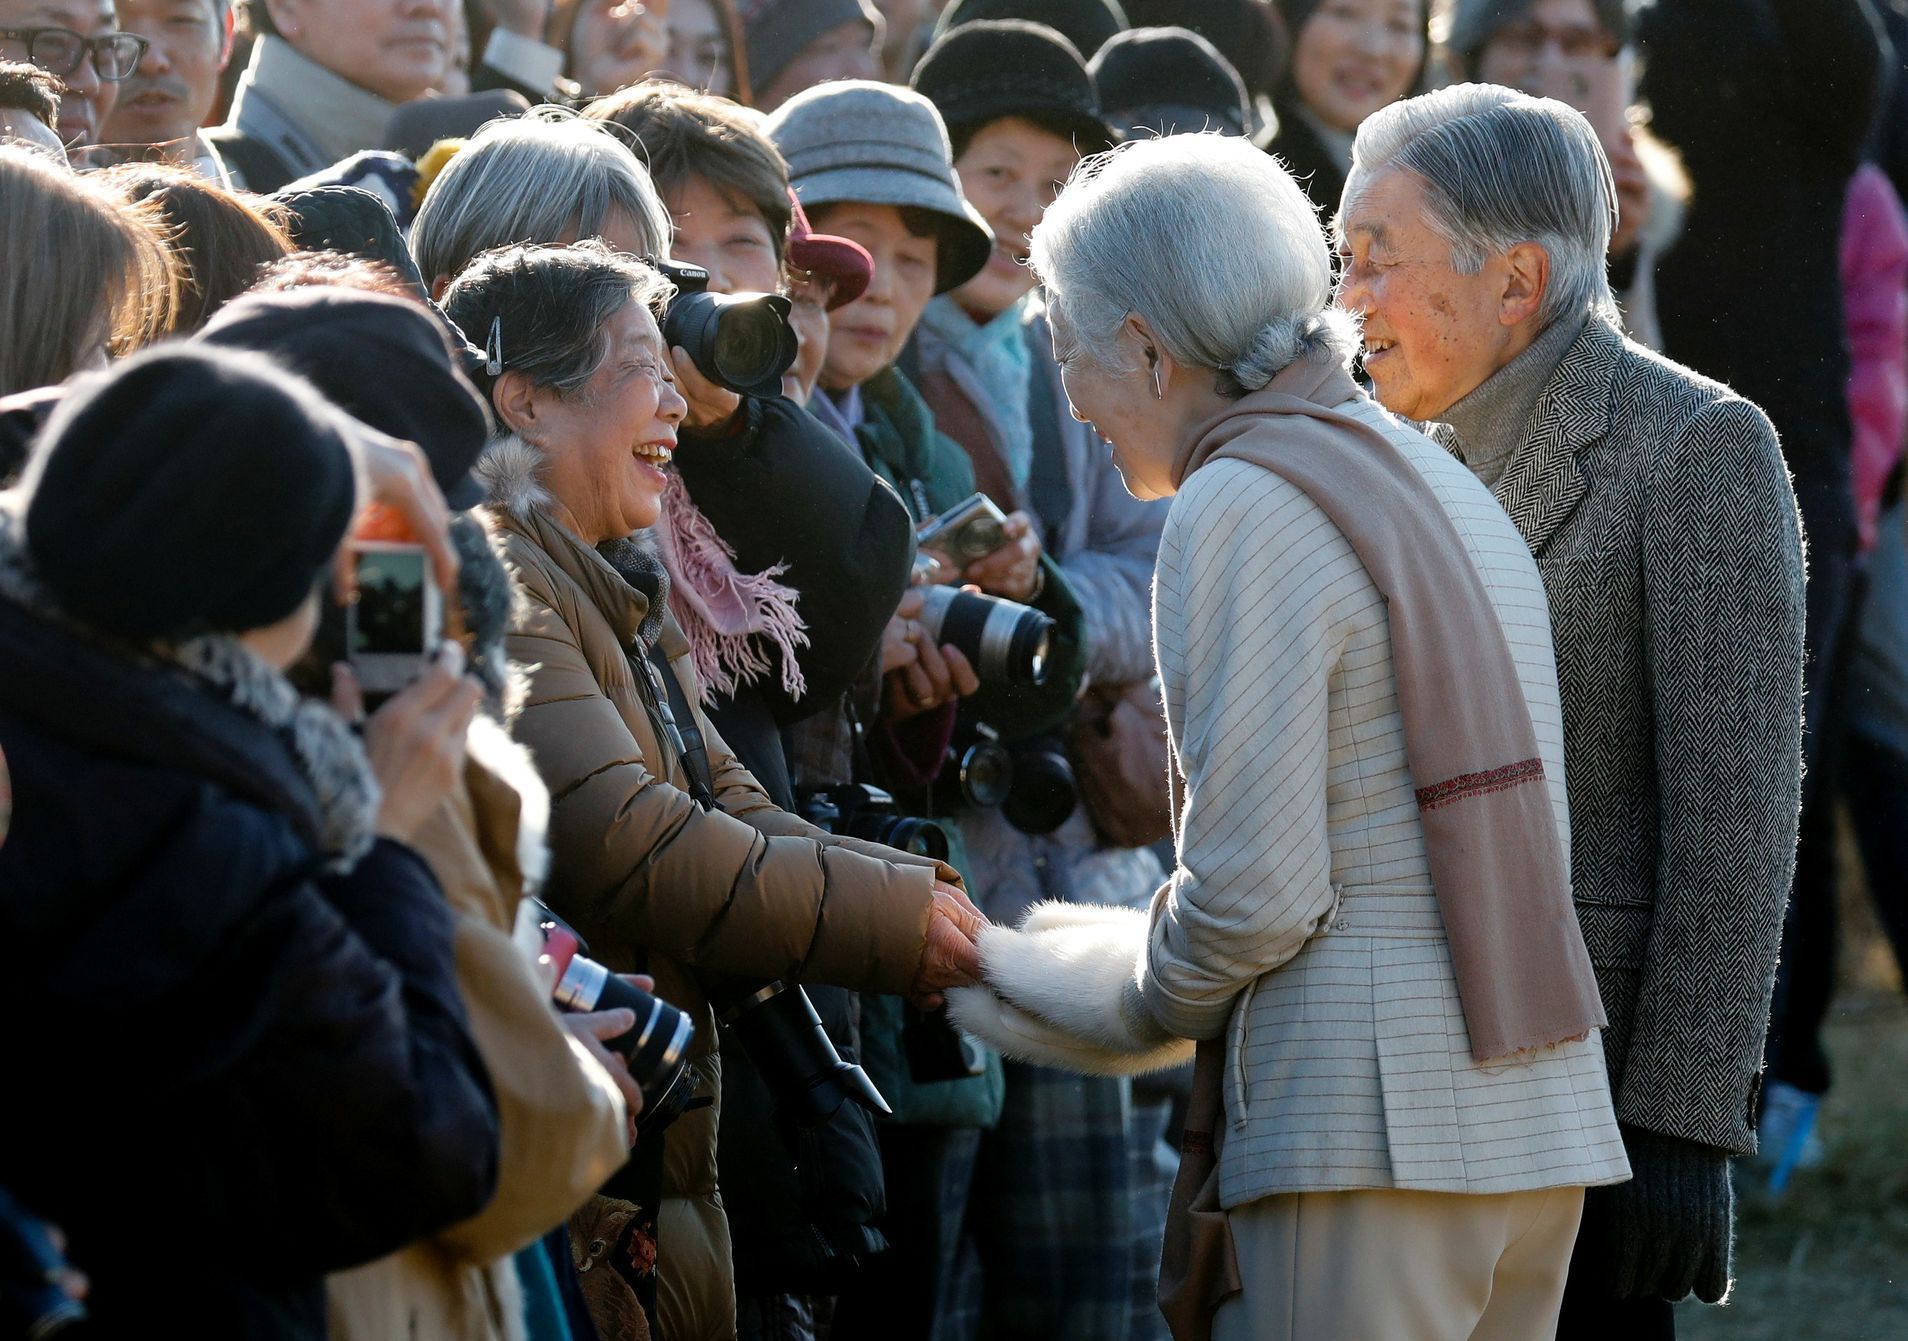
[951,955]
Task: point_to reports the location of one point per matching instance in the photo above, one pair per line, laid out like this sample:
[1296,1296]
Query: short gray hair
[550,307]
[1208,239]
[1501,168]
[546,176]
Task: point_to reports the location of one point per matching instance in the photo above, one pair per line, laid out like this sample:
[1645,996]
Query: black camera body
[855,810]
[741,341]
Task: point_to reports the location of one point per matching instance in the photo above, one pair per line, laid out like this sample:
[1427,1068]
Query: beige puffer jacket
[658,885]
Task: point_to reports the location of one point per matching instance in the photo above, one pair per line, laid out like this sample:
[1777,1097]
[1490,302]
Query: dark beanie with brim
[982,72]
[1475,22]
[1169,81]
[1088,24]
[382,360]
[775,32]
[189,490]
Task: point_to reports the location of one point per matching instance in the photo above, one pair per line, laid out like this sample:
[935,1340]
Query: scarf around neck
[1002,365]
[733,620]
[1503,886]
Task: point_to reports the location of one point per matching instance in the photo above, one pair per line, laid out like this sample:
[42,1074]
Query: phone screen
[391,603]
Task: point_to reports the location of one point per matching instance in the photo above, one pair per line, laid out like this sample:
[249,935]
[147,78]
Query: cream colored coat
[1301,922]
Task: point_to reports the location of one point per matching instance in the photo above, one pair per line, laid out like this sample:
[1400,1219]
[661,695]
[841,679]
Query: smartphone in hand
[397,619]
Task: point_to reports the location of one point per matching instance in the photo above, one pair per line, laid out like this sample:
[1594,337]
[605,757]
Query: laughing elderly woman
[667,855]
[1371,906]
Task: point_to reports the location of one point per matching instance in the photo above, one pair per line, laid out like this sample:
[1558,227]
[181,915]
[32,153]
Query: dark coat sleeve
[1722,575]
[360,1115]
[788,490]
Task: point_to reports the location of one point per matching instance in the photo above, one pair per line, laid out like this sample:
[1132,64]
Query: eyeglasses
[1577,43]
[60,50]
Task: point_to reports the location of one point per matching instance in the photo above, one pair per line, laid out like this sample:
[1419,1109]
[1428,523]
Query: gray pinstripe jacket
[1662,519]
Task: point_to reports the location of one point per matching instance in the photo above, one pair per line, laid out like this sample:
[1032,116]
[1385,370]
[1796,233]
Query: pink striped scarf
[731,619]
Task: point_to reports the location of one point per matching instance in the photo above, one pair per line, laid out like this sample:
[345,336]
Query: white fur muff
[1056,988]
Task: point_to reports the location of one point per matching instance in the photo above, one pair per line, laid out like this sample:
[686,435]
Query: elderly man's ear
[1526,278]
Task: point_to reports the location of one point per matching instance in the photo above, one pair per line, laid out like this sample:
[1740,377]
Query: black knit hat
[1169,81]
[383,360]
[189,490]
[1474,22]
[980,72]
[352,221]
[1088,24]
[1247,33]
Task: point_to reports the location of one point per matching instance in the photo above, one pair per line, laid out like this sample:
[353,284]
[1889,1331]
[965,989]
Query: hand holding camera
[1012,570]
[415,741]
[922,673]
[594,1028]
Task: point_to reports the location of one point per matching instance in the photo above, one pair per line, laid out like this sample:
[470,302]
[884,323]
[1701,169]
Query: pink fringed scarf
[722,612]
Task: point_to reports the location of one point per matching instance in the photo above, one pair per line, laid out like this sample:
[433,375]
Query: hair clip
[493,348]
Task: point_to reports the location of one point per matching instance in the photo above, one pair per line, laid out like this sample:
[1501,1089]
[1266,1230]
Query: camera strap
[679,723]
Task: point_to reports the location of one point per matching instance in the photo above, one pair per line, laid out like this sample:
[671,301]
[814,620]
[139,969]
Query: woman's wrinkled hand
[1013,569]
[950,957]
[416,740]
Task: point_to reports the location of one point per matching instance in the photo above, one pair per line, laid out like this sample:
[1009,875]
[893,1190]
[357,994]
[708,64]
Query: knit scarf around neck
[1002,364]
[731,619]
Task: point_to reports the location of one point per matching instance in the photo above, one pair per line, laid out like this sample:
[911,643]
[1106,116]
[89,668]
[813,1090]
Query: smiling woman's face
[1011,170]
[607,444]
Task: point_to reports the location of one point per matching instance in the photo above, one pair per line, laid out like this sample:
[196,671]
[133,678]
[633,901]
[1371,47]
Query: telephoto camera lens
[1003,640]
[656,1049]
[741,341]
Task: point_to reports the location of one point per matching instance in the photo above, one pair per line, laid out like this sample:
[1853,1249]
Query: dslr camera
[856,810]
[741,341]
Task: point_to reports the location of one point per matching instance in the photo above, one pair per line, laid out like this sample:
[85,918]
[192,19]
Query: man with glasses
[165,101]
[80,41]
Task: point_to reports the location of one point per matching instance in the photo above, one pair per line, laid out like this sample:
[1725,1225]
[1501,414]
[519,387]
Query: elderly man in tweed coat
[1663,522]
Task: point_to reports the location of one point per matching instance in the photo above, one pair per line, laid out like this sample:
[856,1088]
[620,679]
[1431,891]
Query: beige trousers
[1401,1266]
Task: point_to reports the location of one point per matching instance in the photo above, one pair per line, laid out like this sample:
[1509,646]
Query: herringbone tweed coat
[1663,522]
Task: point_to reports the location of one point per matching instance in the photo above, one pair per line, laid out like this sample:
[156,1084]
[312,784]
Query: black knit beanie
[1088,24]
[188,490]
[981,72]
[382,360]
[1247,33]
[1169,81]
[1473,22]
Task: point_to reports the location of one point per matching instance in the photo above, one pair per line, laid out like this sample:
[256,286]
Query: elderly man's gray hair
[546,176]
[1501,168]
[1209,240]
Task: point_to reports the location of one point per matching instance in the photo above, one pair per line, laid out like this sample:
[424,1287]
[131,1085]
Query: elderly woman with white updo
[1369,921]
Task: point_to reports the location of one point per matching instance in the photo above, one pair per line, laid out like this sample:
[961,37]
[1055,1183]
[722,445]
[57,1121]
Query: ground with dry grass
[1829,1262]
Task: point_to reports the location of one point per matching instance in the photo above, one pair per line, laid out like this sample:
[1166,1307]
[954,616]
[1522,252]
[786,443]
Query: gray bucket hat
[884,145]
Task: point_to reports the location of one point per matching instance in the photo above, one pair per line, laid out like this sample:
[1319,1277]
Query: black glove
[1667,1232]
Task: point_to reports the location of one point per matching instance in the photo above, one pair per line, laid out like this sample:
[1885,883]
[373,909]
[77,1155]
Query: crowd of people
[1051,669]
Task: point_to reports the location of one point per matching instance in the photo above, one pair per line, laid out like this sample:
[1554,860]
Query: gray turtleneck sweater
[1492,422]
[311,116]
